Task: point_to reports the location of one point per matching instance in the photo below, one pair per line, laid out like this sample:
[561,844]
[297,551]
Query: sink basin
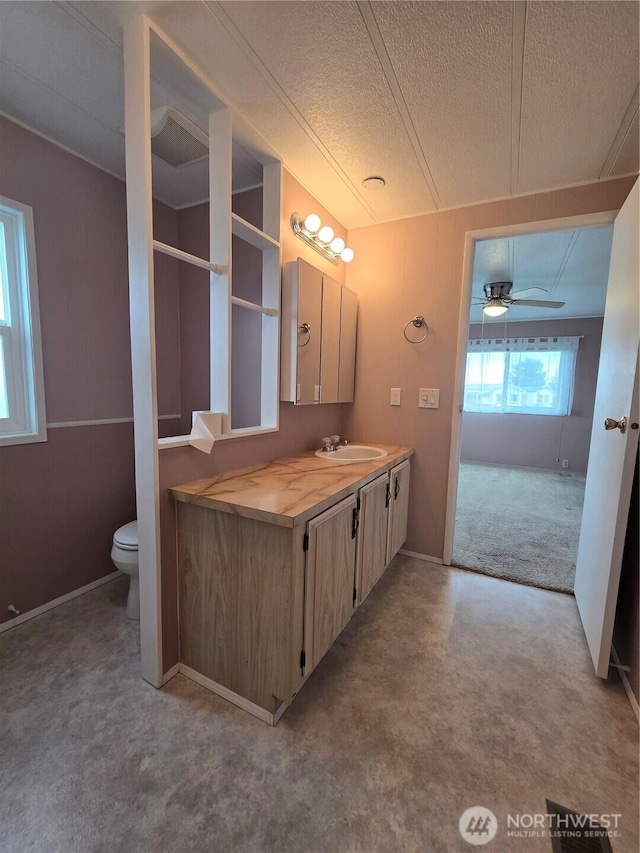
[352,453]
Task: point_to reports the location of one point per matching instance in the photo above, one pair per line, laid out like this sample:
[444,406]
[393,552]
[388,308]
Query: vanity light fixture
[321,237]
[495,308]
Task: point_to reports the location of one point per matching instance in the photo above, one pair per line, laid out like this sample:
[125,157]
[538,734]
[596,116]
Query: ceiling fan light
[495,310]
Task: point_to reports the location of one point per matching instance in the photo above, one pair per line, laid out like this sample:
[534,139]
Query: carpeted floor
[522,524]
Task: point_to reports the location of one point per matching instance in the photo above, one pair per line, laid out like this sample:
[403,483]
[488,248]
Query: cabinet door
[308,343]
[330,347]
[347,368]
[301,332]
[331,561]
[372,537]
[398,508]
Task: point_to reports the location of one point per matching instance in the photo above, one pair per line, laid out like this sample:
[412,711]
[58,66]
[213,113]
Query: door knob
[610,423]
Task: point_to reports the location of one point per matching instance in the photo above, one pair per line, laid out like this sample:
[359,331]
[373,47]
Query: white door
[612,453]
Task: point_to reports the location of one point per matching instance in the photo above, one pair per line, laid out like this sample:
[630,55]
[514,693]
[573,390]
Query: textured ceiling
[451,102]
[572,266]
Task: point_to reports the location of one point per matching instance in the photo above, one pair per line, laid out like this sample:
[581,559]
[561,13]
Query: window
[530,376]
[22,417]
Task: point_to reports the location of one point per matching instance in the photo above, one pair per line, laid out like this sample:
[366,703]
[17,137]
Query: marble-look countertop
[287,491]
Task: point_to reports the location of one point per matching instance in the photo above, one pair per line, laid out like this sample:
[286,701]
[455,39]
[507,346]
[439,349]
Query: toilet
[124,554]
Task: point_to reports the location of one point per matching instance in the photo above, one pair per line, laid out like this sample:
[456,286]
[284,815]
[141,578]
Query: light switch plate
[429,398]
[395,396]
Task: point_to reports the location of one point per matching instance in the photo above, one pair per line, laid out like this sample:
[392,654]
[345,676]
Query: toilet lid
[127,536]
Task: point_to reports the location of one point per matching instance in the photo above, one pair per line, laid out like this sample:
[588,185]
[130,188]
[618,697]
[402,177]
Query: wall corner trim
[425,557]
[170,673]
[38,611]
[234,698]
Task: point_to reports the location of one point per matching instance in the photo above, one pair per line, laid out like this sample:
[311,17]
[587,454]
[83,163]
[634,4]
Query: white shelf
[248,232]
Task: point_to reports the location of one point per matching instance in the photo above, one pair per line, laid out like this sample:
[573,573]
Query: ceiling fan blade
[477,301]
[538,303]
[529,290]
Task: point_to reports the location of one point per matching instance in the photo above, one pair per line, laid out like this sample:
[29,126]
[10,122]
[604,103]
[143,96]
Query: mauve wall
[246,332]
[167,309]
[414,266]
[193,332]
[301,427]
[193,237]
[535,441]
[61,500]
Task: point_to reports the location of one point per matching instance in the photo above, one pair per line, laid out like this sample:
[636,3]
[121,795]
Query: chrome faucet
[331,443]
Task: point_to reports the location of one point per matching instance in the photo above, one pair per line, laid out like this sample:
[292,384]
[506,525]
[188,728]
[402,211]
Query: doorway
[526,378]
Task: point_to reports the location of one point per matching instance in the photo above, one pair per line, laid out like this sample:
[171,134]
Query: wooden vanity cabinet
[331,562]
[261,601]
[384,505]
[398,508]
[241,604]
[372,542]
[349,547]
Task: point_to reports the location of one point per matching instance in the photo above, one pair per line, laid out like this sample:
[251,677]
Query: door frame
[565,223]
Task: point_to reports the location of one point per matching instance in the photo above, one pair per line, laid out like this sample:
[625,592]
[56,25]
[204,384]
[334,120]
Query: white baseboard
[424,557]
[38,611]
[230,696]
[625,683]
[170,673]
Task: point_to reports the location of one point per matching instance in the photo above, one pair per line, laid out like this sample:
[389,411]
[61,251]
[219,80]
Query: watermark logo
[478,825]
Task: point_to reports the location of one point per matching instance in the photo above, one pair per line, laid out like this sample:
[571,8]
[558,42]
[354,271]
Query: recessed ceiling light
[374,183]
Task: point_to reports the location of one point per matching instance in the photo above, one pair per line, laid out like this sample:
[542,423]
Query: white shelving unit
[149,51]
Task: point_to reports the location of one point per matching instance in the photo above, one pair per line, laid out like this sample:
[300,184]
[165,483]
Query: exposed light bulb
[312,223]
[337,245]
[347,255]
[495,310]
[325,234]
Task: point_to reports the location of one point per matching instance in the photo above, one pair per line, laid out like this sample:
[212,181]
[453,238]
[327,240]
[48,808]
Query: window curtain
[521,375]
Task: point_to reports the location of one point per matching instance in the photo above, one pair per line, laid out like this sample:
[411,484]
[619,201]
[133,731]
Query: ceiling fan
[498,298]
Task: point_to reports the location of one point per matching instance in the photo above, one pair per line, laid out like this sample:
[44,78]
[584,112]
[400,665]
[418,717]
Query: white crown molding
[541,191]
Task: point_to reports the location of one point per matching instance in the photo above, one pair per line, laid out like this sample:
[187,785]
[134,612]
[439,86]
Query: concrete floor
[447,690]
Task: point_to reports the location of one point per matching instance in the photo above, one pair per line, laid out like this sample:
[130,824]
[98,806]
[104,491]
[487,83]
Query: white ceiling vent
[175,139]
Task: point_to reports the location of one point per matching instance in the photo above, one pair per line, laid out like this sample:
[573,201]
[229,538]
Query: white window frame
[20,331]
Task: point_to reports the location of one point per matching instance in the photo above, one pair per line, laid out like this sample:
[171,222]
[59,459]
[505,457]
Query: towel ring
[304,329]
[419,322]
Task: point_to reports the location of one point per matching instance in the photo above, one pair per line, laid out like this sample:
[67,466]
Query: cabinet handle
[388,496]
[355,522]
[396,490]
